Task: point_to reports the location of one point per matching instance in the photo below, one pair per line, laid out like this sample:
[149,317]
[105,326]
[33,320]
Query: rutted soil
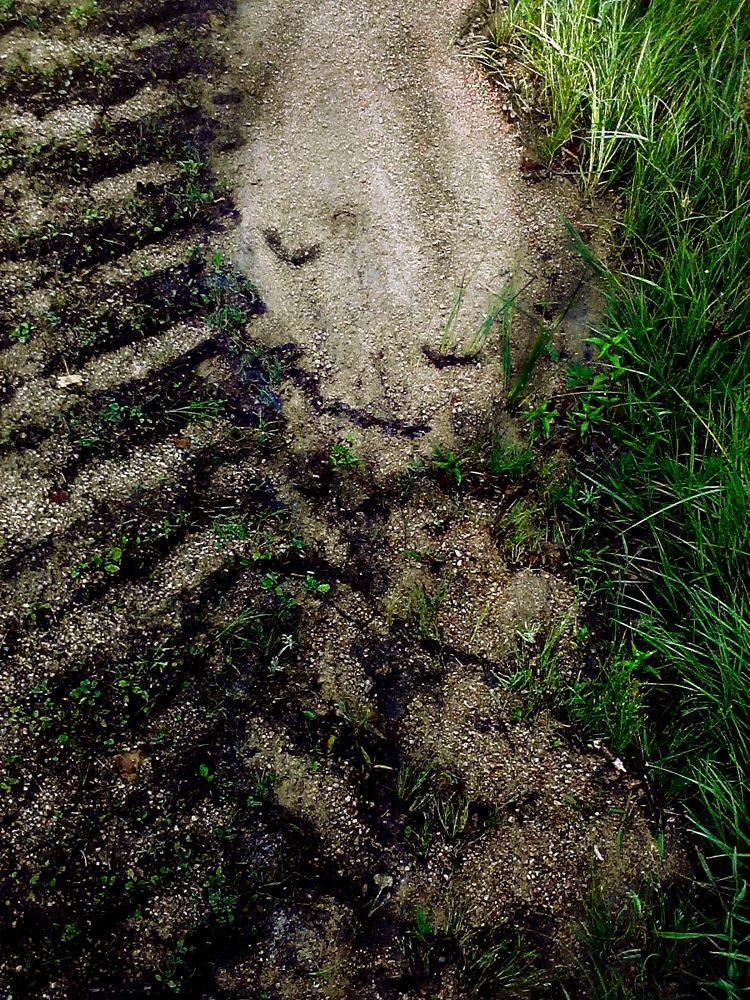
[277,641]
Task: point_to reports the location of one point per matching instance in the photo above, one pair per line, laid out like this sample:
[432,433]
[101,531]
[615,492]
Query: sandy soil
[380,172]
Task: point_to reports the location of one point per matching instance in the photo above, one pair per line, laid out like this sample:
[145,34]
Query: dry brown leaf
[128,764]
[59,495]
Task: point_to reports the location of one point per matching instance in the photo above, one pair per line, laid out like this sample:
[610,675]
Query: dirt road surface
[286,604]
[379,176]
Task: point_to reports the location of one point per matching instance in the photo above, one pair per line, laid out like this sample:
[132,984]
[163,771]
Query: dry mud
[277,714]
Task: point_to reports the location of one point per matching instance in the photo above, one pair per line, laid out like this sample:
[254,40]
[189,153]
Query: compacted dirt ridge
[282,588]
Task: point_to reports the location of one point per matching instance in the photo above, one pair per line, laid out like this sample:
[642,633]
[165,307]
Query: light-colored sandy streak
[377,158]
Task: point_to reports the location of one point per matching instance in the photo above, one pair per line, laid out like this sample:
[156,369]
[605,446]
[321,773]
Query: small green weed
[86,693]
[98,66]
[315,586]
[507,459]
[541,419]
[436,805]
[447,340]
[419,603]
[521,530]
[266,627]
[117,413]
[539,347]
[230,529]
[36,711]
[532,676]
[448,464]
[108,560]
[171,972]
[264,784]
[223,903]
[228,317]
[21,334]
[81,13]
[343,454]
[197,410]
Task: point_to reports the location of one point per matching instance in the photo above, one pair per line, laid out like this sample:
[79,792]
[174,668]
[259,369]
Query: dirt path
[379,173]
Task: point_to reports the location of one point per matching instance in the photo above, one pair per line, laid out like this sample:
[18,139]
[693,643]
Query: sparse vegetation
[92,721]
[417,605]
[533,678]
[343,454]
[498,964]
[435,804]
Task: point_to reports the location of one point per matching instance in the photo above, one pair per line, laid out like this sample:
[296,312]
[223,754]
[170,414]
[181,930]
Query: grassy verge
[653,99]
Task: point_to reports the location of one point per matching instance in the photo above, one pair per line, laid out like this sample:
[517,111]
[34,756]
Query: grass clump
[494,962]
[436,806]
[653,98]
[611,705]
[637,946]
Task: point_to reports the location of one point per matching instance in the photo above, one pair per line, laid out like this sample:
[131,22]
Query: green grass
[613,707]
[448,338]
[435,804]
[653,99]
[492,962]
[637,946]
